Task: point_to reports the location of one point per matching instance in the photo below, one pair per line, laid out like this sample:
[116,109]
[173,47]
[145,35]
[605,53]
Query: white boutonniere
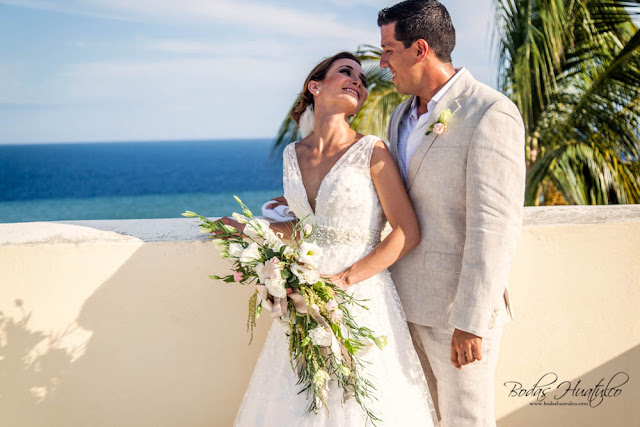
[440,126]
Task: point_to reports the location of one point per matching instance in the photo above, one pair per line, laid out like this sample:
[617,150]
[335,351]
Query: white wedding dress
[348,220]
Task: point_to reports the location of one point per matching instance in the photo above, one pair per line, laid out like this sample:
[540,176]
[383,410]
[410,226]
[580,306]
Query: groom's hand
[465,348]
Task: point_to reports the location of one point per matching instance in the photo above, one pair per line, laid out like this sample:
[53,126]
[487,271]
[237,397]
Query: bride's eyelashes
[349,71]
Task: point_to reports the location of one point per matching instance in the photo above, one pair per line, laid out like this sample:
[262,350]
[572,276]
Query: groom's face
[398,59]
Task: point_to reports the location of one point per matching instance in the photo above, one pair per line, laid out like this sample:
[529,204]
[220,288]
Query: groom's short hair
[422,19]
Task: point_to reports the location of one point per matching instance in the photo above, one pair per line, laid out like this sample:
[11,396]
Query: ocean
[127,180]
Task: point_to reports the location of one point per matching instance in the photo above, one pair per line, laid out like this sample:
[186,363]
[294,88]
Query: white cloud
[254,17]
[255,48]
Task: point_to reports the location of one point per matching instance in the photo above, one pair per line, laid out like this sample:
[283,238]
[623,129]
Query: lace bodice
[348,222]
[348,218]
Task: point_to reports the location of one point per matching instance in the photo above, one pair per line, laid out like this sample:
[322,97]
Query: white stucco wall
[115,323]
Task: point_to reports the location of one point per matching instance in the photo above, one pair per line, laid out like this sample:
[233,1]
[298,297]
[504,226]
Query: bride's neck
[331,130]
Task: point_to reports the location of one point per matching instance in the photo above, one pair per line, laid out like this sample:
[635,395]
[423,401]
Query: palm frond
[573,69]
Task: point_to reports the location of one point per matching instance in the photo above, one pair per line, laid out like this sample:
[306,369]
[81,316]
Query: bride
[347,185]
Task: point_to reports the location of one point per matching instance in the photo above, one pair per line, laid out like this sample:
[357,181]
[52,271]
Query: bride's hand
[340,280]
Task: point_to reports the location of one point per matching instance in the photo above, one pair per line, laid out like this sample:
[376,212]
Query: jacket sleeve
[495,182]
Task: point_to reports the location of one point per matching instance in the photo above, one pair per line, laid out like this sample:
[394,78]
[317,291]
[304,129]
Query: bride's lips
[353,91]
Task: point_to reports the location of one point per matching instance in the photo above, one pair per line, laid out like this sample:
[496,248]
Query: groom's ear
[422,48]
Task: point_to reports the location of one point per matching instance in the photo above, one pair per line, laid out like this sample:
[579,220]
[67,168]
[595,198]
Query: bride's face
[344,87]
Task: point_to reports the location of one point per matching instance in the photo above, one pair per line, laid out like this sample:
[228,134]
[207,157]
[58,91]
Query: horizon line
[120,141]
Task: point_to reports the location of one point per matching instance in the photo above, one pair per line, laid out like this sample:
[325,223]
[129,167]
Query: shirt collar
[438,96]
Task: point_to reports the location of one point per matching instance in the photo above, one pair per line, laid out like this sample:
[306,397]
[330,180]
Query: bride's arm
[400,214]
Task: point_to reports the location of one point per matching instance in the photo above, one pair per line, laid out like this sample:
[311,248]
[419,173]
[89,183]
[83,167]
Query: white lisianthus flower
[236,249]
[240,218]
[273,280]
[250,254]
[222,247]
[309,253]
[320,336]
[320,377]
[273,240]
[219,244]
[311,276]
[256,227]
[344,370]
[381,341]
[276,287]
[229,228]
[308,228]
[305,274]
[204,229]
[297,270]
[332,305]
[288,252]
[367,344]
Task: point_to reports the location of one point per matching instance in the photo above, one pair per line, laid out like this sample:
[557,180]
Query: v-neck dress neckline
[335,165]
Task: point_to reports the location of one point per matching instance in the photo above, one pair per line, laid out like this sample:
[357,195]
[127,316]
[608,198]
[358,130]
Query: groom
[460,148]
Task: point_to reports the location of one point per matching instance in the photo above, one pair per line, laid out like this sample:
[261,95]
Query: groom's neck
[434,78]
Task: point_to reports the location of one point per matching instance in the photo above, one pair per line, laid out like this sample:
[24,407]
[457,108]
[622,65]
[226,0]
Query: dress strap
[369,146]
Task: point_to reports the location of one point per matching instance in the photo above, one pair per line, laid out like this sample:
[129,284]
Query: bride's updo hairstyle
[318,74]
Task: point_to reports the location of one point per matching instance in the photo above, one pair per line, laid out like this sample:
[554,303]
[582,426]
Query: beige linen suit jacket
[467,188]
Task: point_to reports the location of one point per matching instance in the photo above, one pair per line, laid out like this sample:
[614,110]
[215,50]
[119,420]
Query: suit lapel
[451,98]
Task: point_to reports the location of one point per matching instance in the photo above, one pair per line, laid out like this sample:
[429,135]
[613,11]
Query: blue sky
[122,70]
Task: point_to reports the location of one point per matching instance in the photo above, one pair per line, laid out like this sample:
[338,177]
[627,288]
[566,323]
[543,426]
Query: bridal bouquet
[325,342]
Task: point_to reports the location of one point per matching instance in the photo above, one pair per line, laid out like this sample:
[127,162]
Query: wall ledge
[136,231]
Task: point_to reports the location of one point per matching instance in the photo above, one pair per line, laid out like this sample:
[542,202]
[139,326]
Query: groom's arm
[494,204]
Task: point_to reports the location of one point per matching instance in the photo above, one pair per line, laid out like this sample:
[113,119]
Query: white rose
[236,249]
[320,336]
[250,254]
[439,128]
[309,253]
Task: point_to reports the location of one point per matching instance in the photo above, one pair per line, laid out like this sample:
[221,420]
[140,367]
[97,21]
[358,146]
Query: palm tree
[573,69]
[374,116]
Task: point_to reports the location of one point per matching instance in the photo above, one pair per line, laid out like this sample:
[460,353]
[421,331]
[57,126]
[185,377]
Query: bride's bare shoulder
[381,156]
